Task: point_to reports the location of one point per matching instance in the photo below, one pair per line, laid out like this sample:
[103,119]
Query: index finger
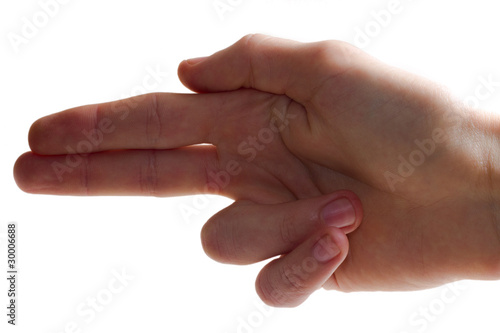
[152,121]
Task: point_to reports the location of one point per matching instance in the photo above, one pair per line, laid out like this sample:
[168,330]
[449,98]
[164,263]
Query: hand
[422,164]
[148,145]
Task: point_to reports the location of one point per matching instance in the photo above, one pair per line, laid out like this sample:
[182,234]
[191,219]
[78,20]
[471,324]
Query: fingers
[189,170]
[152,121]
[311,233]
[131,172]
[269,64]
[289,280]
[246,233]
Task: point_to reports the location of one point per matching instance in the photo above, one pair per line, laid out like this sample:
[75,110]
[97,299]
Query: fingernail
[195,61]
[339,213]
[325,249]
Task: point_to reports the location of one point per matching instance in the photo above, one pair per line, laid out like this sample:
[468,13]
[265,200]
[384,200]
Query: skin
[418,167]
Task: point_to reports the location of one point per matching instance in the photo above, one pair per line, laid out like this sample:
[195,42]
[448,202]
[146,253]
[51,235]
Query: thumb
[269,64]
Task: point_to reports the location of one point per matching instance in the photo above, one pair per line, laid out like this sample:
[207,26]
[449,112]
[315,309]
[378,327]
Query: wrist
[484,131]
[471,157]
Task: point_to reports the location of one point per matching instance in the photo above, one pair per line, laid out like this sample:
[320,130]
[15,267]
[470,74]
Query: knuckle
[254,45]
[288,231]
[251,40]
[149,175]
[153,121]
[85,174]
[293,282]
[283,288]
[249,48]
[335,55]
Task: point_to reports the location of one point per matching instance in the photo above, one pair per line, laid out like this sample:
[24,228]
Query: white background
[95,51]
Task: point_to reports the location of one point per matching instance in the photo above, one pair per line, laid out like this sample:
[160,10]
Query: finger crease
[85,174]
[295,283]
[149,176]
[287,231]
[94,123]
[153,123]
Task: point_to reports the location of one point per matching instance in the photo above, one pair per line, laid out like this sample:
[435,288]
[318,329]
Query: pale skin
[296,127]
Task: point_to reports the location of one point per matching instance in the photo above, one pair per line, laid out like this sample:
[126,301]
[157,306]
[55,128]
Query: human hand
[147,145]
[423,164]
[349,118]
